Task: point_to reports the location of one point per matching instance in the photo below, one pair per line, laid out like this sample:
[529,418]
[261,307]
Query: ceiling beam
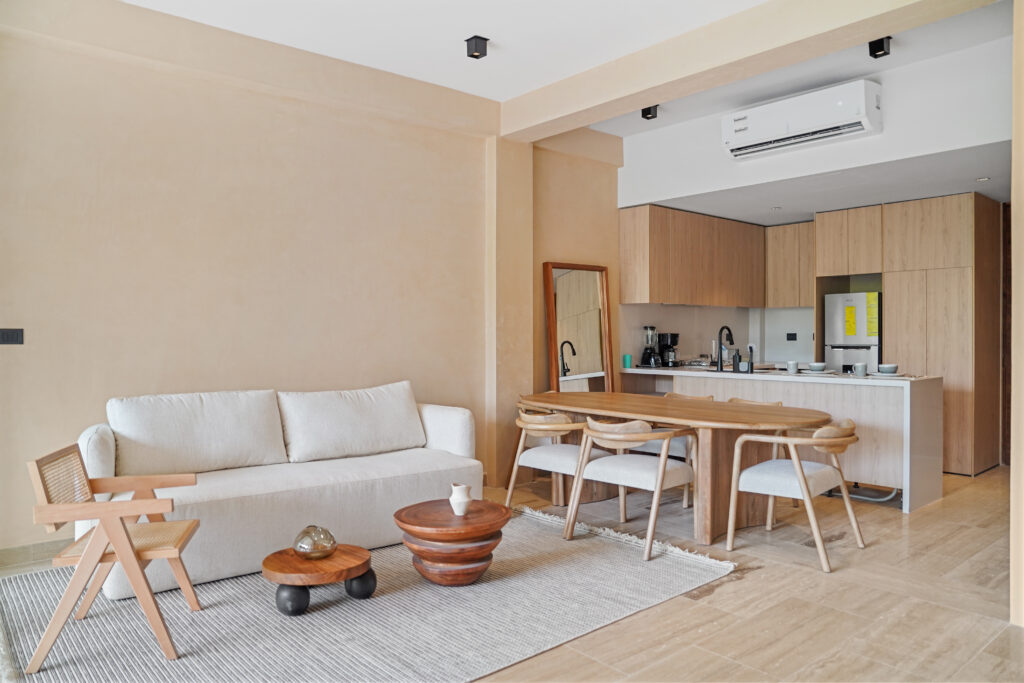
[770,36]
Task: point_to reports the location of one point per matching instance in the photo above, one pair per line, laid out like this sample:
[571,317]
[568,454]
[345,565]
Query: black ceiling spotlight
[476,47]
[880,47]
[649,112]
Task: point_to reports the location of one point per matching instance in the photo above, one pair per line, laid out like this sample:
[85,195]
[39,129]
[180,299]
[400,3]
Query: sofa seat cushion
[173,433]
[247,513]
[320,425]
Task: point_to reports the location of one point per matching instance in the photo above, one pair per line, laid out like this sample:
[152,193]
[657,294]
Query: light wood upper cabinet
[904,321]
[676,257]
[929,233]
[848,242]
[789,265]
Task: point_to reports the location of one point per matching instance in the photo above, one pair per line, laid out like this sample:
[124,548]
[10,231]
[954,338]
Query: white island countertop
[777,376]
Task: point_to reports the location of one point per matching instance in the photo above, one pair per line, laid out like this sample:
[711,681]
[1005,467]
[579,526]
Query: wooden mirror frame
[551,321]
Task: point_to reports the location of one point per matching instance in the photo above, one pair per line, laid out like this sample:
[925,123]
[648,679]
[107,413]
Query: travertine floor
[926,600]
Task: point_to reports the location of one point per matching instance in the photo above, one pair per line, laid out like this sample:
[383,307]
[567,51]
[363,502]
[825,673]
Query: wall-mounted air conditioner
[835,113]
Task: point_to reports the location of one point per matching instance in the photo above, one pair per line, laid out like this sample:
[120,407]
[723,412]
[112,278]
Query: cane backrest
[60,477]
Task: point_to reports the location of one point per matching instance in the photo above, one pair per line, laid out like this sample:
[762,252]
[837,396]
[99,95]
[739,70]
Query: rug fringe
[660,547]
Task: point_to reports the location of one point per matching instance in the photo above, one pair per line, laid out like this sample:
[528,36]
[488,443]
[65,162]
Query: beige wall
[169,230]
[575,220]
[1017,324]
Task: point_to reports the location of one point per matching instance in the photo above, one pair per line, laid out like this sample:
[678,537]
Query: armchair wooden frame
[626,439]
[543,429]
[830,444]
[66,494]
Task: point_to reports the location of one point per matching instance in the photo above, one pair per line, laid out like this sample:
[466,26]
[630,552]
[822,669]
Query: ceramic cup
[627,361]
[792,367]
[860,369]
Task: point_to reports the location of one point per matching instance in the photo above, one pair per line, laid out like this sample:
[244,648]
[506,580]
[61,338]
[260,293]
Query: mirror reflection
[579,351]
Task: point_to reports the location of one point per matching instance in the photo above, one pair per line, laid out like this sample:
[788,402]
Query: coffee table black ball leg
[362,586]
[292,600]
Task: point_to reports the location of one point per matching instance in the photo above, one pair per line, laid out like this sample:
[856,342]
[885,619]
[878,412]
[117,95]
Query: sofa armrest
[98,451]
[449,428]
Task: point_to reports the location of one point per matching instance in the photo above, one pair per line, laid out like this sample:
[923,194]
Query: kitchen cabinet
[669,256]
[848,242]
[789,265]
[941,314]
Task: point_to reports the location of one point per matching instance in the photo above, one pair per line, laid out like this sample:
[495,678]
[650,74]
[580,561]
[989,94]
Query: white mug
[860,369]
[792,367]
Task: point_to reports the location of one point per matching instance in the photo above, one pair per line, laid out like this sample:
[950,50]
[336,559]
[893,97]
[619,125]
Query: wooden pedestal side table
[295,574]
[450,550]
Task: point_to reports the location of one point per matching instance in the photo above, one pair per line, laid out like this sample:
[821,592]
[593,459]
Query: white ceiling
[533,42]
[931,175]
[956,33]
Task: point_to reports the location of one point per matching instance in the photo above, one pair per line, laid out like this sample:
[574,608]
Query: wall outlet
[791,336]
[12,336]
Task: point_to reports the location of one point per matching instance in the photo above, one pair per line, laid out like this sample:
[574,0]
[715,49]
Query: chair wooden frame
[791,443]
[552,429]
[109,542]
[589,435]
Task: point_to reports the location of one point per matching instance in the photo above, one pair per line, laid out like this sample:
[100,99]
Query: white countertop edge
[585,375]
[782,377]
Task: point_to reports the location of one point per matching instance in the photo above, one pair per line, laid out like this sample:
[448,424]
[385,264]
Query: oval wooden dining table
[718,425]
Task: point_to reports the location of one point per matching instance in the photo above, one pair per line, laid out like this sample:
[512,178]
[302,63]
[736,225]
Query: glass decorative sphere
[314,542]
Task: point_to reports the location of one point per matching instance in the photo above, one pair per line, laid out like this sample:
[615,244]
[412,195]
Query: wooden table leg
[714,477]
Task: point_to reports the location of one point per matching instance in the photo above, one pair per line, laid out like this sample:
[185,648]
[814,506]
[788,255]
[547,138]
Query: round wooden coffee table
[451,550]
[294,574]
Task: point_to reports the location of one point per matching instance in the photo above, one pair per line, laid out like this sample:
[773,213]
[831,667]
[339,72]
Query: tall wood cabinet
[941,316]
[668,256]
[789,265]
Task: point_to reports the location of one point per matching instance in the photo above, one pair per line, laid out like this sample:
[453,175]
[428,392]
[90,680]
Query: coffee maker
[667,343]
[651,358]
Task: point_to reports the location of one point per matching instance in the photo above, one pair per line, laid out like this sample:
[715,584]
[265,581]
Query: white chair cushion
[677,447]
[637,471]
[320,425]
[778,478]
[172,433]
[559,457]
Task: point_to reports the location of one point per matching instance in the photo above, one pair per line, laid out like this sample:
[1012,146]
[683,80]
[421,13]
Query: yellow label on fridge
[851,321]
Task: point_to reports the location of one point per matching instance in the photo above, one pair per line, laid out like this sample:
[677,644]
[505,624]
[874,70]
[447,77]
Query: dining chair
[65,493]
[684,446]
[775,449]
[796,478]
[633,470]
[556,457]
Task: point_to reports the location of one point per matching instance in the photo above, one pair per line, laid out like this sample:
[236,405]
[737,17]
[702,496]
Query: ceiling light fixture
[649,112]
[476,47]
[880,47]
[983,179]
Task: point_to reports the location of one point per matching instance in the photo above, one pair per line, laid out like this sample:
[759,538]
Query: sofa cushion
[246,514]
[320,425]
[171,433]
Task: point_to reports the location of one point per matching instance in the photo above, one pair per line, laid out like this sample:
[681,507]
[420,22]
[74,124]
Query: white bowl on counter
[816,367]
[888,368]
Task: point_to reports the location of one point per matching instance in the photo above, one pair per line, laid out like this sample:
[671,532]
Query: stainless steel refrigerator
[853,330]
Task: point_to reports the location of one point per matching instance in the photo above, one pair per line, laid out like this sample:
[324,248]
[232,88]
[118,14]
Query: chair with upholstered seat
[556,457]
[633,470]
[65,493]
[796,478]
[683,446]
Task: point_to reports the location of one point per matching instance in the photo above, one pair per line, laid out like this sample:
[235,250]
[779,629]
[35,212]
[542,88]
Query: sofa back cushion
[172,433]
[319,425]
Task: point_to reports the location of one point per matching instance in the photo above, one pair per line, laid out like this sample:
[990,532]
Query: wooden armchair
[65,493]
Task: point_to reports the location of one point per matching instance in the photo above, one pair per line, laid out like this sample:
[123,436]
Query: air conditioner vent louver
[840,111]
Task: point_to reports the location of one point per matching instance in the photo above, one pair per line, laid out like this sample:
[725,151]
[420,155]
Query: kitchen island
[899,419]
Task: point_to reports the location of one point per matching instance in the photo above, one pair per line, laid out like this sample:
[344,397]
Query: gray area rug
[540,592]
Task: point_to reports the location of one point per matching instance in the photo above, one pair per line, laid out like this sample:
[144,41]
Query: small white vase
[460,499]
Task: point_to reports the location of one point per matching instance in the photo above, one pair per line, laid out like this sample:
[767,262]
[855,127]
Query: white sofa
[270,463]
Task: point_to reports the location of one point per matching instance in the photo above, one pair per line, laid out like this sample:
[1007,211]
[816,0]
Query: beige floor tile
[648,636]
[783,639]
[1009,644]
[986,667]
[989,568]
[559,664]
[926,639]
[850,666]
[697,664]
